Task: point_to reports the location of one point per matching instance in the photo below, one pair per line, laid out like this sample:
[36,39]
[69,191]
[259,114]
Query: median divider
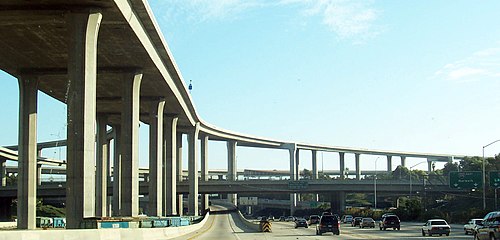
[253,225]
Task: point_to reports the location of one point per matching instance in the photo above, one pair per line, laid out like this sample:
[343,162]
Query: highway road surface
[228,226]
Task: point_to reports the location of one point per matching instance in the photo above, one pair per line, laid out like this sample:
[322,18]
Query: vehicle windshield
[438,223]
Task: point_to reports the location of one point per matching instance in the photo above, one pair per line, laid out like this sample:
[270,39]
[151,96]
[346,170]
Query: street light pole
[410,176]
[484,174]
[375,184]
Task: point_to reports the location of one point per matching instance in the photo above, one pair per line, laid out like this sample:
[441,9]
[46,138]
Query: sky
[416,76]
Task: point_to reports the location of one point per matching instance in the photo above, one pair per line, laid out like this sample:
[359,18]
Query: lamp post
[410,176]
[375,184]
[484,174]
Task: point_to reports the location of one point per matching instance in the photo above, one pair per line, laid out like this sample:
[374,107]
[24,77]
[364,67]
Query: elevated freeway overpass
[109,63]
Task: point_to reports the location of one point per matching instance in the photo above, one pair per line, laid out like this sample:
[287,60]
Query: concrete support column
[155,207]
[314,164]
[130,145]
[389,163]
[293,163]
[403,161]
[429,165]
[38,174]
[204,171]
[117,166]
[358,169]
[27,153]
[102,163]
[337,202]
[231,169]
[180,203]
[297,165]
[193,170]
[342,165]
[3,172]
[170,164]
[82,78]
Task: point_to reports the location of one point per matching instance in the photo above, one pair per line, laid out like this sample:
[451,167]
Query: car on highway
[300,222]
[270,218]
[436,226]
[470,226]
[347,218]
[355,221]
[489,227]
[313,219]
[328,223]
[389,221]
[282,218]
[290,219]
[367,222]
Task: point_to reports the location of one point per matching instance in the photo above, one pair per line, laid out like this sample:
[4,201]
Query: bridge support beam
[102,162]
[170,163]
[156,158]
[337,202]
[358,169]
[389,163]
[293,163]
[117,166]
[342,165]
[403,161]
[82,75]
[130,145]
[193,170]
[3,172]
[231,169]
[39,173]
[204,171]
[429,165]
[315,169]
[26,184]
[180,197]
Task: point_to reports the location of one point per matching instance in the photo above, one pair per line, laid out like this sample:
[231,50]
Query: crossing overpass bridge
[109,62]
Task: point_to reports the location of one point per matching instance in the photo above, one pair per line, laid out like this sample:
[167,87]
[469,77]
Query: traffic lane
[286,230]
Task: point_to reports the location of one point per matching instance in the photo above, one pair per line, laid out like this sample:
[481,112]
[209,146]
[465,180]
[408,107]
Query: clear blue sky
[420,76]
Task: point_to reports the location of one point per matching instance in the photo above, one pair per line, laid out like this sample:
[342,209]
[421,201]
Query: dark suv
[488,228]
[328,223]
[389,221]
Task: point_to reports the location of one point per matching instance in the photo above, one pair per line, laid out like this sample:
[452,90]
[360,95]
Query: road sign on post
[297,185]
[465,180]
[494,179]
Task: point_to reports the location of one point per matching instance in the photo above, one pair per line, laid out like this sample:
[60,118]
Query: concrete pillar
[403,161]
[204,170]
[82,75]
[297,165]
[193,170]
[130,145]
[180,203]
[108,179]
[314,164]
[293,164]
[38,174]
[102,163]
[3,172]
[337,202]
[429,165]
[358,169]
[26,183]
[342,165]
[117,166]
[171,163]
[155,207]
[231,169]
[389,163]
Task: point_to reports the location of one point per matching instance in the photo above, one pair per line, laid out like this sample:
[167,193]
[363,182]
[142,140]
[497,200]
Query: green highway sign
[495,179]
[468,179]
[297,185]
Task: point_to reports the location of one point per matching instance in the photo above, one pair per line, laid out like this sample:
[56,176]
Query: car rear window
[438,223]
[392,218]
[478,221]
[328,219]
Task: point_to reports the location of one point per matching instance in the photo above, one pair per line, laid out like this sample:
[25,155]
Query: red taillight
[434,228]
[338,225]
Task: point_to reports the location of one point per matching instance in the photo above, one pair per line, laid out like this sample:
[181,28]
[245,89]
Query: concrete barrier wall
[250,224]
[103,234]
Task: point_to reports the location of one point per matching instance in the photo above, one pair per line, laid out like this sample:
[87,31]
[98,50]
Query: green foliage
[48,210]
